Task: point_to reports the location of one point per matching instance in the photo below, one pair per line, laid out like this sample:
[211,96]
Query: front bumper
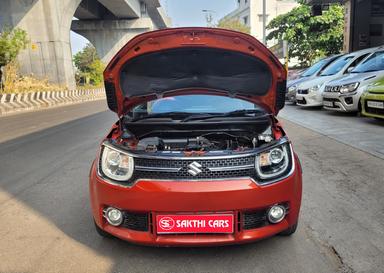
[369,111]
[238,196]
[341,102]
[309,100]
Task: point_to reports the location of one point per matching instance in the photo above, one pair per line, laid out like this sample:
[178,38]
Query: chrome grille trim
[232,168]
[303,91]
[157,169]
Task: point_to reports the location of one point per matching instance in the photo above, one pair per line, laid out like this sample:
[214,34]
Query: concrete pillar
[48,25]
[109,36]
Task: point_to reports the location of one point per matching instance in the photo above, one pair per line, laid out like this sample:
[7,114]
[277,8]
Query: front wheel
[289,231]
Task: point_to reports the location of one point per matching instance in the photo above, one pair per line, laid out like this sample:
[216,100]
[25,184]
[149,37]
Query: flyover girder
[48,24]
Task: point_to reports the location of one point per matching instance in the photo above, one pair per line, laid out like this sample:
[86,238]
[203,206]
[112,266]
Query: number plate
[202,223]
[376,104]
[328,103]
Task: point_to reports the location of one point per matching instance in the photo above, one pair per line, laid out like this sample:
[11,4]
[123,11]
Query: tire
[289,231]
[360,107]
[101,232]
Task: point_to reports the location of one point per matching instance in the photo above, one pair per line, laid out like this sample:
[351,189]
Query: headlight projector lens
[276,156]
[276,214]
[114,216]
[113,159]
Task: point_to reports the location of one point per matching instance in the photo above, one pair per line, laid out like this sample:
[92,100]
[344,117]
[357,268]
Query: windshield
[314,68]
[374,63]
[336,66]
[193,104]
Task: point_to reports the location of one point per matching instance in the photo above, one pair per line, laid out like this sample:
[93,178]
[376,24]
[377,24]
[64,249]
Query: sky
[186,13]
[183,13]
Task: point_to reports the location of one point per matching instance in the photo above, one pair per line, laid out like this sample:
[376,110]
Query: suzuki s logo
[194,168]
[167,223]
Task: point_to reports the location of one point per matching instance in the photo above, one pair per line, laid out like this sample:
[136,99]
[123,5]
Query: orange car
[197,156]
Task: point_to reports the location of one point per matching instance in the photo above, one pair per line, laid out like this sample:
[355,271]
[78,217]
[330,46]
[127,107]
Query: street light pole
[264,21]
[208,16]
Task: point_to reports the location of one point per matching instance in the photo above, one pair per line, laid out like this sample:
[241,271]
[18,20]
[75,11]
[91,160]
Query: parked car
[308,74]
[309,93]
[372,100]
[344,94]
[197,151]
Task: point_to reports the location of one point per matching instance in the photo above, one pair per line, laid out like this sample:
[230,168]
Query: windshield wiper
[162,115]
[237,113]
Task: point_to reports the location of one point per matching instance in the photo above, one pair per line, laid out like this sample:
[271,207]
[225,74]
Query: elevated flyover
[108,24]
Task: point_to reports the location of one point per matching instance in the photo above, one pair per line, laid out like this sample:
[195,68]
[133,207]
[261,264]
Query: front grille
[302,91]
[301,101]
[210,168]
[332,88]
[135,221]
[331,99]
[254,219]
[374,111]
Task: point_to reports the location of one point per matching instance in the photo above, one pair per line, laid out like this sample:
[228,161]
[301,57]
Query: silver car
[309,93]
[344,93]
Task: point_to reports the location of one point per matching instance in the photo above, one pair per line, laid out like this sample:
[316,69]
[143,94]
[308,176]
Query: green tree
[309,37]
[12,41]
[90,67]
[233,24]
[96,72]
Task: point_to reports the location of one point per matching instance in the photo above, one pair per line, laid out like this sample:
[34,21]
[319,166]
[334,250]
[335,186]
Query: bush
[13,83]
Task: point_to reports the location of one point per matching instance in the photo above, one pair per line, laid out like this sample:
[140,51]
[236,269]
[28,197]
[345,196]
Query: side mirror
[350,69]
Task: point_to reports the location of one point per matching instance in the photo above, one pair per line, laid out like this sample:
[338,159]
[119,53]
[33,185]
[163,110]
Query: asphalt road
[46,224]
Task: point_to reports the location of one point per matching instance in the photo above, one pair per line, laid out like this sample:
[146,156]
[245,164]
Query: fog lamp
[276,214]
[348,100]
[114,216]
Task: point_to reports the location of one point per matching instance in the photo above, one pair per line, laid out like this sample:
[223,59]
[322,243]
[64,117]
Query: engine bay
[191,139]
[203,143]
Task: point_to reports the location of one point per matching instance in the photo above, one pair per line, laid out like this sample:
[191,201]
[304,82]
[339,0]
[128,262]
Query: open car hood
[182,61]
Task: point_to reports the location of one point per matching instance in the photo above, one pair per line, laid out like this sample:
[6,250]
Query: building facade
[250,12]
[364,22]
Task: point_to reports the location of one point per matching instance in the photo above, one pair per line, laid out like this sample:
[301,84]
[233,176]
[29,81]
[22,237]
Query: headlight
[116,165]
[315,88]
[273,163]
[349,87]
[292,88]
